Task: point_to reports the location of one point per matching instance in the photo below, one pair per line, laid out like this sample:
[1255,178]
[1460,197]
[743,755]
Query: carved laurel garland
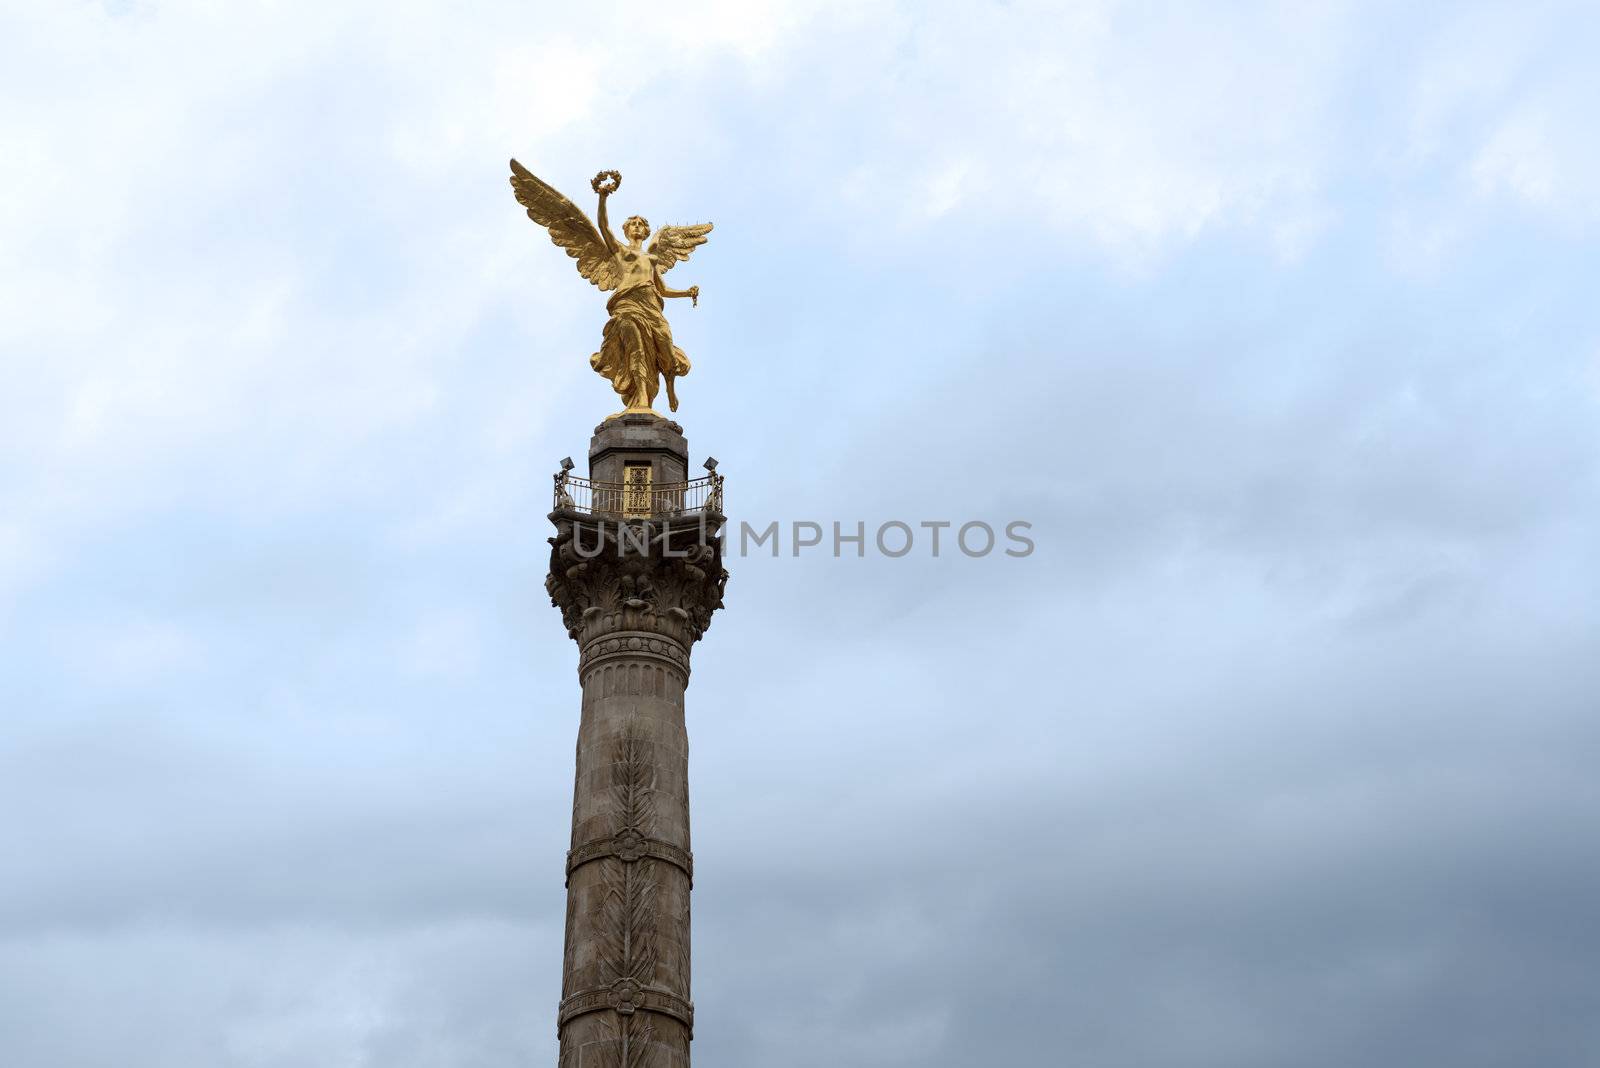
[635,1047]
[630,884]
[629,881]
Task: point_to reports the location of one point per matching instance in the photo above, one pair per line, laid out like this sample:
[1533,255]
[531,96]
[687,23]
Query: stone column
[635,594]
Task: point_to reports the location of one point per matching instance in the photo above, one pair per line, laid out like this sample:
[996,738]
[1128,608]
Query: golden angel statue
[637,346]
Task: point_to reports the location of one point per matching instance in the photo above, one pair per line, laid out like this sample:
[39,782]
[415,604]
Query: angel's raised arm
[605,227]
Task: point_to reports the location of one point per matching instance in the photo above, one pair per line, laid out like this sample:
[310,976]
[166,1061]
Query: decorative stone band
[626,996]
[628,846]
[633,646]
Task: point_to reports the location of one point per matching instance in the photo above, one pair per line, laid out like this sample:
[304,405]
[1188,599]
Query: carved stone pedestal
[637,579]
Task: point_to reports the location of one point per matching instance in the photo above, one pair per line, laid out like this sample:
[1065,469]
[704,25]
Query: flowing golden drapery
[637,347]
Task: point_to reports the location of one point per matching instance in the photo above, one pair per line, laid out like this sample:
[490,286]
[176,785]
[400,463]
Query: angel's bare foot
[672,397]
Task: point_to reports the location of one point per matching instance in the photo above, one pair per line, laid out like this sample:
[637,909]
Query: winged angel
[637,349]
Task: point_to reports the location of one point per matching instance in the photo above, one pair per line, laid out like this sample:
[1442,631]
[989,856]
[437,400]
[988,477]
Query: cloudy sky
[1277,322]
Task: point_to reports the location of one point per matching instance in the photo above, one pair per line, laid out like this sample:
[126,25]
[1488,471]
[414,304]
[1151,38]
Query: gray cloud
[1278,749]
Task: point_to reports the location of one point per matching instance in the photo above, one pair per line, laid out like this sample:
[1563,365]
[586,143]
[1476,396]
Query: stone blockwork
[638,437]
[635,596]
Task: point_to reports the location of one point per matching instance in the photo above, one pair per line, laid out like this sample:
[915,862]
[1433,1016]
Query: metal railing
[620,500]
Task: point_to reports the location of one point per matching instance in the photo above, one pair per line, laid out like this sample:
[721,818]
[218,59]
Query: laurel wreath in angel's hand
[606,182]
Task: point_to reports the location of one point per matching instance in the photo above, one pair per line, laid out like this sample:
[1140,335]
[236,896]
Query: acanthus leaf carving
[601,581]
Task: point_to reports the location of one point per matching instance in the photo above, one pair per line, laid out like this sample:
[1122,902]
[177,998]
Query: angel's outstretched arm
[692,292]
[605,228]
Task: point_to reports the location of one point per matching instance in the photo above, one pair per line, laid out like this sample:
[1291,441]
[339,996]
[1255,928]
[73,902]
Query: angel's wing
[674,243]
[569,227]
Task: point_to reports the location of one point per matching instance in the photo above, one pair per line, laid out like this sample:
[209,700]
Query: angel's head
[636,228]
